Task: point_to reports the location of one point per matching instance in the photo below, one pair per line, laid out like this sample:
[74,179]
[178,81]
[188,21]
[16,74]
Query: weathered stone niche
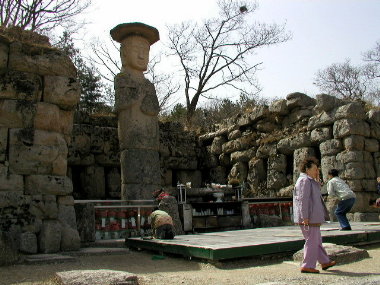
[94,165]
[38,93]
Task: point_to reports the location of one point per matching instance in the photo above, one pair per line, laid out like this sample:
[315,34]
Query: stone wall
[264,147]
[38,92]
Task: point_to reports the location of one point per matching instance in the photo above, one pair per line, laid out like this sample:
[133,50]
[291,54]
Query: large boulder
[37,152]
[21,86]
[354,142]
[49,239]
[327,102]
[40,60]
[48,185]
[354,110]
[322,119]
[9,248]
[279,107]
[234,134]
[297,115]
[238,173]
[276,179]
[241,143]
[266,149]
[259,113]
[28,243]
[17,113]
[298,99]
[216,147]
[44,207]
[8,181]
[70,240]
[289,144]
[330,147]
[319,135]
[348,127]
[243,156]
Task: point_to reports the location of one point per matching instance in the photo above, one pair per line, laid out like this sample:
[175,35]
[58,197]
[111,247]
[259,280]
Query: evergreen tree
[92,99]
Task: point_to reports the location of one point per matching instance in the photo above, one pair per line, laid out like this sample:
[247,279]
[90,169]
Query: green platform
[255,242]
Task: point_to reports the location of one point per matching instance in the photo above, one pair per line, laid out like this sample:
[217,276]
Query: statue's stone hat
[121,31]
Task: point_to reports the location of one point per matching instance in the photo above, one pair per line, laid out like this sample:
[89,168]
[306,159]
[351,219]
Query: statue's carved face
[135,53]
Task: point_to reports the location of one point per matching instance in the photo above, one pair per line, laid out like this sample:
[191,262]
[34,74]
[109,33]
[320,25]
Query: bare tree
[215,53]
[107,58]
[373,58]
[350,82]
[39,15]
[373,55]
[343,80]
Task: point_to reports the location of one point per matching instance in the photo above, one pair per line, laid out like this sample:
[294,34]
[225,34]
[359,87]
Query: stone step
[72,255]
[48,258]
[108,243]
[99,251]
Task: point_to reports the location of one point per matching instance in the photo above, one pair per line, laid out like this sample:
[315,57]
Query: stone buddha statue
[137,108]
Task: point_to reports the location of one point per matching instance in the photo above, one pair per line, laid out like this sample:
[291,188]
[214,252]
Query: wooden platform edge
[250,250]
[187,251]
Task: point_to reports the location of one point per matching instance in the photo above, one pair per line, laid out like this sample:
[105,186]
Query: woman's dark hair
[308,163]
[333,172]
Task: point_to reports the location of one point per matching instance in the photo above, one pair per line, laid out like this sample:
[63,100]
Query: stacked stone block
[38,94]
[94,157]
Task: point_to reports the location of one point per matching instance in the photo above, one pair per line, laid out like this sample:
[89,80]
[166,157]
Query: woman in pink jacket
[309,213]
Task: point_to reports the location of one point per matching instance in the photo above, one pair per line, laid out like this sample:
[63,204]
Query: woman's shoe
[309,270]
[326,266]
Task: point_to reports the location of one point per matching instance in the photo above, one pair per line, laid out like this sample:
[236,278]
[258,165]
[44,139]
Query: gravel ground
[177,270]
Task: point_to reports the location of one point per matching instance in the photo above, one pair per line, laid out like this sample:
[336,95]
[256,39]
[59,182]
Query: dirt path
[176,270]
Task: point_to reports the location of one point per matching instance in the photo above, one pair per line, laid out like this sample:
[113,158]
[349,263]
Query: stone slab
[48,258]
[340,253]
[95,277]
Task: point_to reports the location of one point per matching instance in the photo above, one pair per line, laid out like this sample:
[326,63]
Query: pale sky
[324,32]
